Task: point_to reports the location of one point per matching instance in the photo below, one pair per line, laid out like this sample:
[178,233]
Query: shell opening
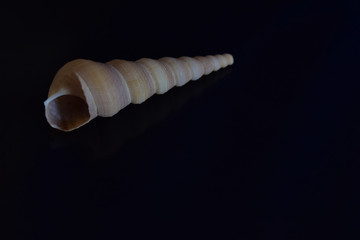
[67,112]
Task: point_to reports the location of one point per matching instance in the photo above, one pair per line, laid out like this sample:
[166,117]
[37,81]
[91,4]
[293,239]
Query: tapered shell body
[84,89]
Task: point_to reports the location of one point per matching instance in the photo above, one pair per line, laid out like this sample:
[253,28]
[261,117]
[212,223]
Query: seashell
[84,89]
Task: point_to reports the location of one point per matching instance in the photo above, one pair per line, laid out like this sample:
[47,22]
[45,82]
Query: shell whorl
[83,89]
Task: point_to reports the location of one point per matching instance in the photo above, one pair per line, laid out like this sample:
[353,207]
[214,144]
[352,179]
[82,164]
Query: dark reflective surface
[265,149]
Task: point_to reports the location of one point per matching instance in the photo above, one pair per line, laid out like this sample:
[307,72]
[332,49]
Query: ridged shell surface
[84,89]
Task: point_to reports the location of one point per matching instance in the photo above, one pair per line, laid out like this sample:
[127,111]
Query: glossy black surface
[265,149]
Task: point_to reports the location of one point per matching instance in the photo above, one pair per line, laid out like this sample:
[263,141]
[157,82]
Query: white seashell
[83,89]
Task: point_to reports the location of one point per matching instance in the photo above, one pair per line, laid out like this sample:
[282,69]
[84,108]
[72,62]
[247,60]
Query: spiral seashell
[83,89]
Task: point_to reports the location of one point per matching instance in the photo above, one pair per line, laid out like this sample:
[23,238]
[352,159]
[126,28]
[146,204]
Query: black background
[264,149]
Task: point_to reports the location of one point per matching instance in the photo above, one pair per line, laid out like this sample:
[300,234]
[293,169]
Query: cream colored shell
[83,89]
